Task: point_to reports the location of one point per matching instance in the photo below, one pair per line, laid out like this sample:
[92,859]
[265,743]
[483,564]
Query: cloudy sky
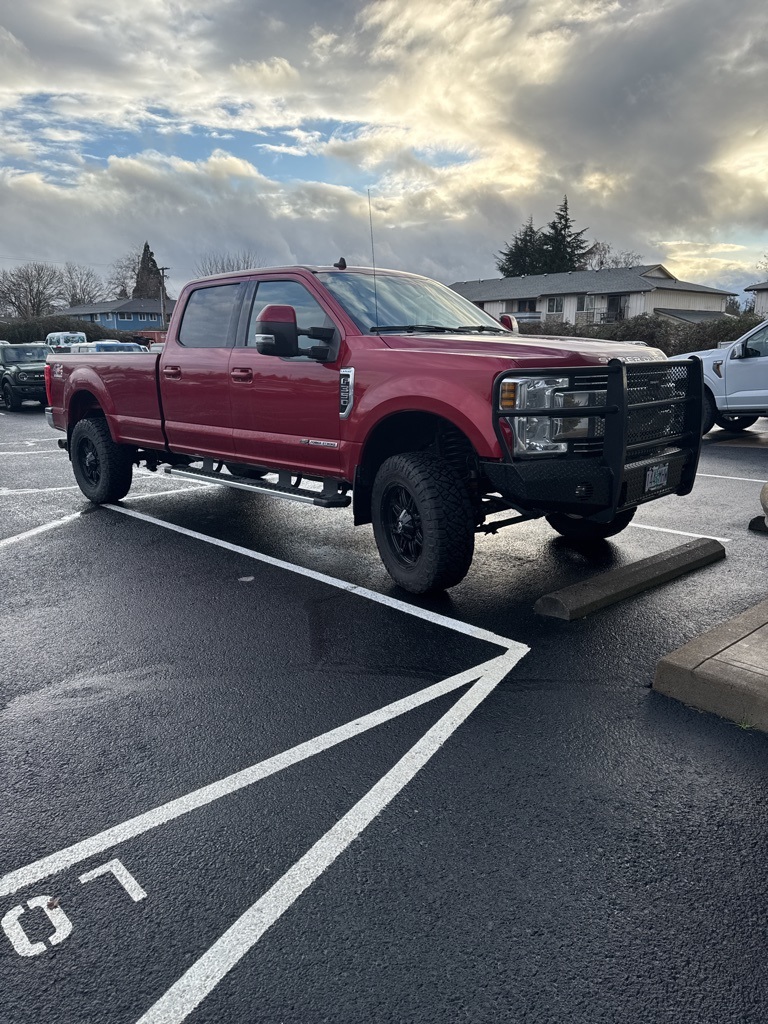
[252,124]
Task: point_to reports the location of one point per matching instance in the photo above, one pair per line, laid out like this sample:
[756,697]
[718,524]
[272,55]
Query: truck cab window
[210,317]
[309,312]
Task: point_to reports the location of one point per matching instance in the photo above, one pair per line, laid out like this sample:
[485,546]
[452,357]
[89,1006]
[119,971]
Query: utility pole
[162,295]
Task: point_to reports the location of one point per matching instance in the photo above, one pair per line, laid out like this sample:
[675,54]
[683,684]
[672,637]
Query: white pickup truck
[736,381]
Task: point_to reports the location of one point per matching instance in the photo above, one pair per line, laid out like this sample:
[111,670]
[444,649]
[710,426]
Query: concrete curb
[724,671]
[576,601]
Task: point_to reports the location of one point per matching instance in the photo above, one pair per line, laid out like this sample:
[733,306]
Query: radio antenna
[373,261]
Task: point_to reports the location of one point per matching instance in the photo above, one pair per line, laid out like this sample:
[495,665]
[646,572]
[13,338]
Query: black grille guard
[652,414]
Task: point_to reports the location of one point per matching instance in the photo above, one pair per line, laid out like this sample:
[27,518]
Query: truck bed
[124,385]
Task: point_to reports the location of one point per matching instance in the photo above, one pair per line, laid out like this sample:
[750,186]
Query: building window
[480,305]
[555,304]
[154,316]
[585,303]
[525,306]
[142,316]
[125,316]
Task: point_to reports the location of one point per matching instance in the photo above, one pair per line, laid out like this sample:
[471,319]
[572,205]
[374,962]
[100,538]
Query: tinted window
[309,312]
[209,316]
[757,343]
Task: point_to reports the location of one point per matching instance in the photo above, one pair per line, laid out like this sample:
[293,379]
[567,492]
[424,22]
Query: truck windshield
[400,302]
[34,354]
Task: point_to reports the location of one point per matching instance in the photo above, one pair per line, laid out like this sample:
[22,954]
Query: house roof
[120,306]
[610,281]
[761,287]
[692,316]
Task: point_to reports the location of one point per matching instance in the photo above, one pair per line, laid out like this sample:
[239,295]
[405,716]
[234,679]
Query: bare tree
[602,255]
[80,285]
[121,279]
[30,290]
[219,262]
[762,264]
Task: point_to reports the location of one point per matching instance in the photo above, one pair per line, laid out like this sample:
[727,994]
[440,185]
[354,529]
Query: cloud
[463,117]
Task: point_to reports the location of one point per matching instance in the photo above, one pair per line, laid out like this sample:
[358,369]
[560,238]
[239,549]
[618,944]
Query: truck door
[746,373]
[194,372]
[286,411]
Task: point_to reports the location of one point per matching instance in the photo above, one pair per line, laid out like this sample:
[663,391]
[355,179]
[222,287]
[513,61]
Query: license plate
[656,477]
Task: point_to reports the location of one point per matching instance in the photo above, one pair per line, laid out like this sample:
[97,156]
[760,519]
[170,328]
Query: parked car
[22,369]
[107,346]
[735,381]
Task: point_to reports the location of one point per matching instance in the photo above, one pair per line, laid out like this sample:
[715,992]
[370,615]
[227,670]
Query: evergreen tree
[524,254]
[149,280]
[564,248]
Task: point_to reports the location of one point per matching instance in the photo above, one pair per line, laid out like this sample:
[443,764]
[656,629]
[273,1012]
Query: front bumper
[29,392]
[648,446]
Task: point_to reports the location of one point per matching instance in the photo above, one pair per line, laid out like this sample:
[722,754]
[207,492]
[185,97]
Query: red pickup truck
[390,392]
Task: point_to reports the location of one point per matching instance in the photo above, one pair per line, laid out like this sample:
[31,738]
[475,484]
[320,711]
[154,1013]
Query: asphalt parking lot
[249,780]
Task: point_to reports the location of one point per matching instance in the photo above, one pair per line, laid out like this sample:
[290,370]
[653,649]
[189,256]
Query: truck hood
[522,350]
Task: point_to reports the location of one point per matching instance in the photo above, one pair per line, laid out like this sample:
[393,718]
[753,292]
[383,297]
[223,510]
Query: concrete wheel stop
[576,601]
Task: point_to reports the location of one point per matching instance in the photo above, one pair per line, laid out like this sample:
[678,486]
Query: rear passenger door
[194,372]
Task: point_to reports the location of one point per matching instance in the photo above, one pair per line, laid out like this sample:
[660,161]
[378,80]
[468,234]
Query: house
[761,297]
[132,315]
[597,296]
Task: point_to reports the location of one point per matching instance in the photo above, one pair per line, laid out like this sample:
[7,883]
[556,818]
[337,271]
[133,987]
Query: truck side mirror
[276,332]
[510,322]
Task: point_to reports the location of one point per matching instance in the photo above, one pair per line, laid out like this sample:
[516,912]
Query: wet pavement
[539,840]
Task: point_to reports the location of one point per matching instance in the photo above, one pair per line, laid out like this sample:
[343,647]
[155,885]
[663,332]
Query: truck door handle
[241,374]
[172,372]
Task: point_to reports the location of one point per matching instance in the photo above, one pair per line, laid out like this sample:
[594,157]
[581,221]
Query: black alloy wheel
[403,524]
[12,403]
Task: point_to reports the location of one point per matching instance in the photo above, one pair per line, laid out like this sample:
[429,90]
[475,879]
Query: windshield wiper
[436,329]
[412,327]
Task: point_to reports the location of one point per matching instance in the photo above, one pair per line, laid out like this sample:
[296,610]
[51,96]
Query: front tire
[12,403]
[586,529]
[102,468]
[708,414]
[422,522]
[735,423]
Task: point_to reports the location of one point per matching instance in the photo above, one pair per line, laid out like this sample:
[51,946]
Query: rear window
[210,317]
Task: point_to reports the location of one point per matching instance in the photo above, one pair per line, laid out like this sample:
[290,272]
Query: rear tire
[423,522]
[586,529]
[102,468]
[735,423]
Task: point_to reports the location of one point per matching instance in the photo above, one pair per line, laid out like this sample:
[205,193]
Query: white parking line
[148,820]
[6,541]
[56,451]
[6,491]
[41,440]
[205,974]
[746,479]
[680,533]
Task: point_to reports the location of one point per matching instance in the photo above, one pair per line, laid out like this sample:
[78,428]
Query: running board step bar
[329,497]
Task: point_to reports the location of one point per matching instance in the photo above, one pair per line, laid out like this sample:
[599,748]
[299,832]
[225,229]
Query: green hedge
[24,332]
[671,337]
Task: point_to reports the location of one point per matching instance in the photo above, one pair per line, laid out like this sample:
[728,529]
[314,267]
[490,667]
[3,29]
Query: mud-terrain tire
[708,413]
[726,421]
[102,468]
[249,472]
[586,529]
[423,522]
[12,403]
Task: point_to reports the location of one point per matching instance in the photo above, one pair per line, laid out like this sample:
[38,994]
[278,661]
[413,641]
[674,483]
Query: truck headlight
[22,375]
[548,435]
